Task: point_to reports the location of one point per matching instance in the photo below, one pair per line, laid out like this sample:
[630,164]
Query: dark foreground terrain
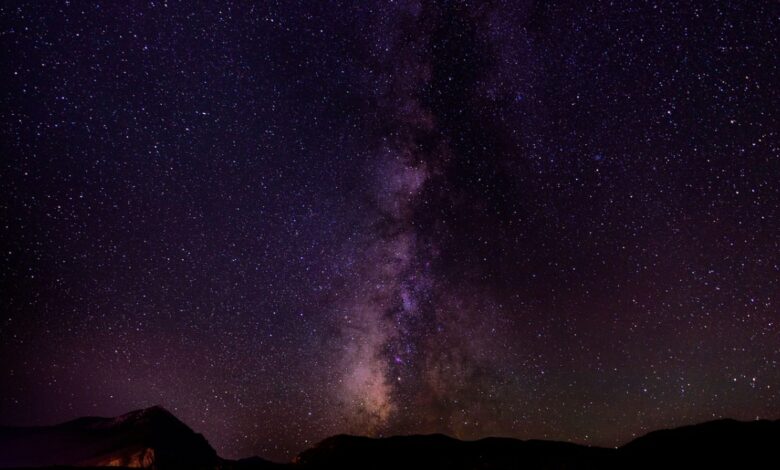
[154,438]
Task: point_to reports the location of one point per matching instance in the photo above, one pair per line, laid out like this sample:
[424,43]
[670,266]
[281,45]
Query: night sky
[286,220]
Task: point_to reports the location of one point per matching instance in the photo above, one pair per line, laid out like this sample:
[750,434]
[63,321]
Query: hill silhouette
[154,438]
[147,438]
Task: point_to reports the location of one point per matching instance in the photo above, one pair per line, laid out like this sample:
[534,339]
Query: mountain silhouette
[439,451]
[148,438]
[724,443]
[154,438]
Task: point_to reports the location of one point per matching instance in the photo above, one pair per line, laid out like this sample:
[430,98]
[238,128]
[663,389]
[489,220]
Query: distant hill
[148,438]
[439,451]
[724,443]
[154,438]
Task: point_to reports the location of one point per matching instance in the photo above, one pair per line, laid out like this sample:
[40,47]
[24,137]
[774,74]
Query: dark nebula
[287,220]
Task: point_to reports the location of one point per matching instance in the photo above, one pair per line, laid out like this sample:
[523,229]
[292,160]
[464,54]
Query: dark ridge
[441,451]
[155,438]
[151,436]
[707,445]
[713,444]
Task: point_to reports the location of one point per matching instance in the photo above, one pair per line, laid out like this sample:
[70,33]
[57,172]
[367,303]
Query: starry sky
[284,220]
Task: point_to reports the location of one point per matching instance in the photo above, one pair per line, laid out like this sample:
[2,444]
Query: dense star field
[287,220]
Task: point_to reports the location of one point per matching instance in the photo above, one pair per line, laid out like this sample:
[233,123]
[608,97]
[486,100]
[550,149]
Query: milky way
[409,343]
[284,221]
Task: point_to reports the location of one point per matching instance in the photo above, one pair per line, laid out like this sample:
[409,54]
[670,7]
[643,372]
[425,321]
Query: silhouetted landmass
[150,438]
[724,443]
[439,451]
[154,438]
